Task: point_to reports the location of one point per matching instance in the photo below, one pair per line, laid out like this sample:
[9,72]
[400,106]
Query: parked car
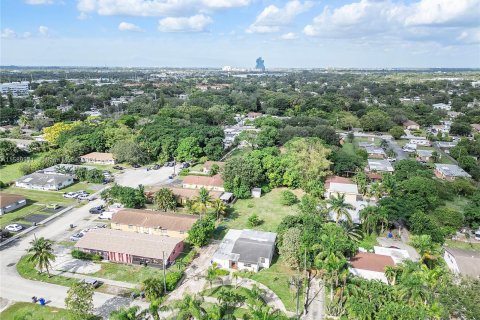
[13,227]
[53,206]
[76,236]
[156,166]
[117,168]
[70,195]
[101,226]
[136,166]
[185,165]
[96,210]
[94,283]
[106,215]
[83,196]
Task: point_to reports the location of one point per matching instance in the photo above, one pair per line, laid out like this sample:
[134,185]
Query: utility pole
[164,276]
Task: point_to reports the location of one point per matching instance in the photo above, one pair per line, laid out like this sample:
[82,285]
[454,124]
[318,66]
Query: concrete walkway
[315,301]
[80,276]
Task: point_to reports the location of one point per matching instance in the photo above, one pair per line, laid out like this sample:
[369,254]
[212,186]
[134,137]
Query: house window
[130,226]
[262,260]
[248,265]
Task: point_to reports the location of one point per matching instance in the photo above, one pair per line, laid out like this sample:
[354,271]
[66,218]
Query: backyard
[268,208]
[26,310]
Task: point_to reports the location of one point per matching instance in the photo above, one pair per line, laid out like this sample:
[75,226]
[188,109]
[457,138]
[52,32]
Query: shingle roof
[99,156]
[371,261]
[38,178]
[468,262]
[214,181]
[451,170]
[7,199]
[251,250]
[154,219]
[137,244]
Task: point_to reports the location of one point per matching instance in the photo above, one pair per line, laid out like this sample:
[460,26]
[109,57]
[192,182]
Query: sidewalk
[85,277]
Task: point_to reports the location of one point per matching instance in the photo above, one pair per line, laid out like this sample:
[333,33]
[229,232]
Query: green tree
[289,250]
[129,151]
[190,307]
[288,198]
[79,300]
[153,288]
[165,199]
[188,149]
[340,208]
[202,201]
[253,220]
[396,132]
[376,120]
[8,152]
[201,232]
[42,255]
[219,208]
[124,313]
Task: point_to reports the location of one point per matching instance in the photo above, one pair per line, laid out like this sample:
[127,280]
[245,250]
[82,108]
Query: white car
[83,196]
[13,227]
[106,215]
[70,195]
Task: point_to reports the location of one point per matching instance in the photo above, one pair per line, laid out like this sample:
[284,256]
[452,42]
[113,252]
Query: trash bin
[41,301]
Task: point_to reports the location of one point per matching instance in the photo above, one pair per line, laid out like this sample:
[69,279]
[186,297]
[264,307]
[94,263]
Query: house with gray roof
[246,249]
[379,165]
[463,262]
[449,172]
[44,181]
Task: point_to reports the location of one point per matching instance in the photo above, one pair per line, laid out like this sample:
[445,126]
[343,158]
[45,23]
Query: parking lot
[131,177]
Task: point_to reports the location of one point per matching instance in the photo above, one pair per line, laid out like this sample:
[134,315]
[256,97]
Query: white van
[106,215]
[477,234]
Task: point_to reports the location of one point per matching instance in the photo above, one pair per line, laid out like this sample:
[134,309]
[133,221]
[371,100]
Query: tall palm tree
[42,253]
[219,207]
[354,232]
[338,206]
[369,218]
[264,312]
[189,308]
[202,201]
[212,274]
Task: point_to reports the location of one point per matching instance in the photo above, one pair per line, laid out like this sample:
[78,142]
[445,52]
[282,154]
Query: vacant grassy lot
[375,141]
[27,270]
[268,208]
[462,245]
[26,310]
[12,172]
[278,278]
[127,273]
[458,203]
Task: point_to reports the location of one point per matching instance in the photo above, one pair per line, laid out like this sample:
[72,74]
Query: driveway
[401,155]
[131,177]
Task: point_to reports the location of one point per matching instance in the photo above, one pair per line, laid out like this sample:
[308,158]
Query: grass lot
[12,171]
[348,147]
[277,278]
[127,273]
[26,310]
[268,209]
[27,270]
[17,215]
[462,245]
[376,141]
[458,203]
[239,152]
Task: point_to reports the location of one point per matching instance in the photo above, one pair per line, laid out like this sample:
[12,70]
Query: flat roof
[213,181]
[371,261]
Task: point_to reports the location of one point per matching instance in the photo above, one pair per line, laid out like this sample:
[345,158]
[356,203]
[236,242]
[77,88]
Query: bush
[78,254]
[254,220]
[172,279]
[288,198]
[184,172]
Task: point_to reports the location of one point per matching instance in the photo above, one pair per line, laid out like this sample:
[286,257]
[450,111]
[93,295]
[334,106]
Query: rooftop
[101,156]
[380,165]
[468,262]
[214,181]
[7,199]
[451,170]
[136,244]
[154,219]
[371,261]
[38,178]
[208,164]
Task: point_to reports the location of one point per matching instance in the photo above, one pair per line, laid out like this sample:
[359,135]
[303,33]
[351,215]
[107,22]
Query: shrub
[288,198]
[184,172]
[172,279]
[254,220]
[78,254]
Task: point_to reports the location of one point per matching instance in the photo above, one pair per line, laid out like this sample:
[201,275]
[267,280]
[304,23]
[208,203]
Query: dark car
[185,165]
[96,210]
[156,167]
[94,283]
[117,168]
[136,166]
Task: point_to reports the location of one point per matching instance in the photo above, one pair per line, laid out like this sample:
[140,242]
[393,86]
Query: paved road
[401,155]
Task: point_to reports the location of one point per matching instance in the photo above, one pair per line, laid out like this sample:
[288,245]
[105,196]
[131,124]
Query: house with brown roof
[98,158]
[153,222]
[131,248]
[411,125]
[10,202]
[370,266]
[254,115]
[214,183]
[208,165]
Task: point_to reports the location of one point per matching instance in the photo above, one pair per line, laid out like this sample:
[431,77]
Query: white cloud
[273,17]
[196,23]
[39,2]
[126,26]
[8,33]
[43,31]
[155,8]
[470,36]
[426,20]
[289,36]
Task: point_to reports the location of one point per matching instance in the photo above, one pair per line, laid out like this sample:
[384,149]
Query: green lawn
[27,310]
[127,273]
[12,172]
[462,245]
[277,278]
[18,215]
[27,270]
[239,152]
[349,147]
[268,208]
[458,203]
[376,141]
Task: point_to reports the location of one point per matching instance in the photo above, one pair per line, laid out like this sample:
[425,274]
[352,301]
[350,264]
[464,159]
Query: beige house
[335,186]
[153,222]
[411,125]
[98,158]
[214,183]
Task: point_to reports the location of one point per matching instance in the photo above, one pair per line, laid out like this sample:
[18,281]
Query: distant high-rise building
[260,64]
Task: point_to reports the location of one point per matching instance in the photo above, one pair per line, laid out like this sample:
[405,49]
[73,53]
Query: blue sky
[214,33]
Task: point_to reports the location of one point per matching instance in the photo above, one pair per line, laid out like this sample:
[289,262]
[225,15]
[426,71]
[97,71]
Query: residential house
[379,165]
[424,155]
[43,181]
[476,127]
[131,248]
[376,152]
[214,183]
[453,114]
[411,125]
[254,115]
[169,224]
[370,266]
[374,177]
[420,142]
[10,202]
[248,250]
[446,145]
[449,172]
[398,255]
[208,165]
[442,106]
[463,262]
[335,186]
[98,158]
[182,194]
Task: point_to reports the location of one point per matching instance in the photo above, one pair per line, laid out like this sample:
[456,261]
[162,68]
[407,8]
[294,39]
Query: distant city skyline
[216,33]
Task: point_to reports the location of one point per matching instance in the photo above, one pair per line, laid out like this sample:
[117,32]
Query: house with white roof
[379,165]
[449,172]
[44,181]
[335,186]
[442,106]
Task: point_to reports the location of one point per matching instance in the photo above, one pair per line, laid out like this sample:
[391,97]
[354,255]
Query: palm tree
[219,207]
[212,274]
[353,231]
[264,312]
[393,273]
[131,313]
[42,253]
[361,180]
[165,199]
[340,207]
[153,288]
[202,201]
[369,219]
[189,308]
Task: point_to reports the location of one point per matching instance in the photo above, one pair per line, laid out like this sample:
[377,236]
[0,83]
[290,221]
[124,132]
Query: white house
[10,202]
[248,250]
[420,142]
[43,181]
[335,186]
[442,106]
[379,165]
[370,266]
